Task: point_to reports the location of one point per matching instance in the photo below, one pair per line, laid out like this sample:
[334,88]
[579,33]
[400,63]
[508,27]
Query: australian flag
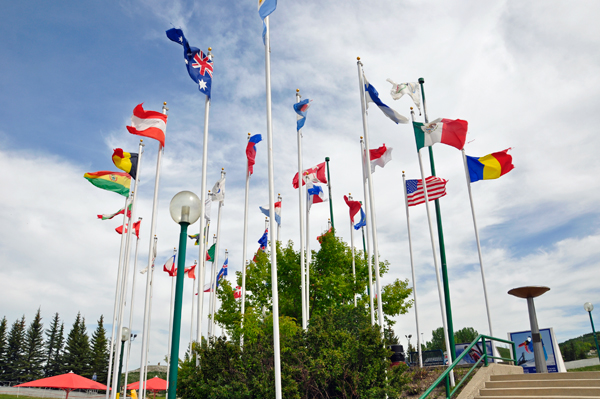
[199,65]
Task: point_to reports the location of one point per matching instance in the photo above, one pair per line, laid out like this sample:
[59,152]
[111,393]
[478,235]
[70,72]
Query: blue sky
[522,74]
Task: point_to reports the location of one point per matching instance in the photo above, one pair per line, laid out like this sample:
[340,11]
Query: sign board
[475,353]
[524,345]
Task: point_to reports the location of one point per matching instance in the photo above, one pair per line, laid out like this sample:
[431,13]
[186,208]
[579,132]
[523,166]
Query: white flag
[218,190]
[400,89]
[207,209]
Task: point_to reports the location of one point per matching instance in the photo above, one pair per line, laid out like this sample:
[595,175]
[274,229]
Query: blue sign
[524,354]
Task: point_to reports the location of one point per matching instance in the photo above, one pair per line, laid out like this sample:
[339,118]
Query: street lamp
[124,337]
[588,308]
[185,210]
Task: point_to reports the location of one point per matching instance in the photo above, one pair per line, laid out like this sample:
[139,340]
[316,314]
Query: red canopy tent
[67,382]
[153,385]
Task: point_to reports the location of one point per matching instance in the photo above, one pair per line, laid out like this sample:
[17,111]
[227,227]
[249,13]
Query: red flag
[190,271]
[136,228]
[316,175]
[237,292]
[151,124]
[169,267]
[251,151]
[354,207]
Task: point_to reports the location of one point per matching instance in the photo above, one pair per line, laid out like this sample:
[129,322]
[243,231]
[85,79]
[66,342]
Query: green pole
[120,370]
[438,213]
[330,198]
[174,361]
[595,338]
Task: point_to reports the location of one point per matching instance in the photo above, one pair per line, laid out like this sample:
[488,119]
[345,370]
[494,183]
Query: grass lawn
[595,367]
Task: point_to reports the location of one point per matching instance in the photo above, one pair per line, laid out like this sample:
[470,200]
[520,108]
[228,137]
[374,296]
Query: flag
[225,265]
[265,210]
[207,287]
[380,156]
[316,175]
[264,239]
[362,222]
[151,124]
[315,194]
[373,96]
[195,237]
[120,212]
[491,166]
[207,207]
[301,108]
[136,228]
[218,190]
[210,254]
[117,182]
[237,292]
[222,273]
[266,8]
[354,207]
[190,271]
[251,151]
[169,266]
[199,65]
[126,161]
[436,188]
[445,131]
[400,89]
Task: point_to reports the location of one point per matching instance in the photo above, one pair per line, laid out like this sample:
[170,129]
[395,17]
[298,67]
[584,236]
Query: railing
[484,358]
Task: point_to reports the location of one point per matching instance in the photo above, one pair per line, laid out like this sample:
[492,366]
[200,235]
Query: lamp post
[124,337]
[185,210]
[588,308]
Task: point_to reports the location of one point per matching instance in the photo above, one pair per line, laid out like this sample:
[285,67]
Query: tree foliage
[14,351]
[77,349]
[33,350]
[464,335]
[54,347]
[100,352]
[3,345]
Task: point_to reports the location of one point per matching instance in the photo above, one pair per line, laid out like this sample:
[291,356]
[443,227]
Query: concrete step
[544,383]
[542,392]
[582,375]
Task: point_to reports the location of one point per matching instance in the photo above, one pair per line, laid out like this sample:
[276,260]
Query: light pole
[185,210]
[124,337]
[588,308]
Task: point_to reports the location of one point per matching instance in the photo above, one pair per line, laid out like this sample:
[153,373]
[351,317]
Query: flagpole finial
[222,168]
[210,49]
[326,159]
[358,58]
[361,137]
[249,134]
[165,103]
[421,80]
[297,90]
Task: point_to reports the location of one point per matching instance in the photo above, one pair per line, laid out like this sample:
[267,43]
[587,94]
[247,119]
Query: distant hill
[578,348]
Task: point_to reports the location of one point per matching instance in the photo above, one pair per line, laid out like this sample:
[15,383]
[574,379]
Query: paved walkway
[575,364]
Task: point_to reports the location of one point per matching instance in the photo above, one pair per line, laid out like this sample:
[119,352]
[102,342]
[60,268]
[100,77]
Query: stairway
[580,385]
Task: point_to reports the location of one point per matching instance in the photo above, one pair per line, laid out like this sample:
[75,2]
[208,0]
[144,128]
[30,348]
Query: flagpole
[303,287]
[137,241]
[487,305]
[116,305]
[412,269]
[278,224]
[193,303]
[212,288]
[330,197]
[150,305]
[308,258]
[371,195]
[145,329]
[275,294]
[438,214]
[366,226]
[171,310]
[118,348]
[352,244]
[435,264]
[203,238]
[202,249]
[244,244]
[216,262]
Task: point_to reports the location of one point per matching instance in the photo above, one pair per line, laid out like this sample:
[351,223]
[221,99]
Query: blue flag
[373,96]
[264,240]
[301,108]
[199,65]
[363,220]
[266,8]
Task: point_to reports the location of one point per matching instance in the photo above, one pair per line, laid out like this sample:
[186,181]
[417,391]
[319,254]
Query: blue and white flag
[301,108]
[199,65]
[265,210]
[363,220]
[264,240]
[373,96]
[266,8]
[315,194]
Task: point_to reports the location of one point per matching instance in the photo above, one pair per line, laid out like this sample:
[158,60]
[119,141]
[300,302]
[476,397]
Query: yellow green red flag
[117,182]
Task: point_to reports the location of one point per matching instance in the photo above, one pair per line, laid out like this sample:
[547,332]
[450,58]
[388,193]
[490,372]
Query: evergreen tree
[100,353]
[33,350]
[77,349]
[14,351]
[52,347]
[3,345]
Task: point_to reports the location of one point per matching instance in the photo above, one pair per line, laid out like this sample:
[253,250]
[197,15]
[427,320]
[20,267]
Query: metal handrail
[445,375]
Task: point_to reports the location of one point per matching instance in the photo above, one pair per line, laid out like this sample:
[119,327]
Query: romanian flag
[126,161]
[491,166]
[118,182]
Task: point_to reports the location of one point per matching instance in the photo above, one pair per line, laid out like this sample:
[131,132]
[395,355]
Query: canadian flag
[315,175]
[237,292]
[136,228]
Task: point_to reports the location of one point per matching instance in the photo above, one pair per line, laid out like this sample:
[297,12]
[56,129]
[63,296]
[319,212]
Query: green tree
[462,336]
[33,348]
[14,351]
[77,349]
[437,340]
[100,354]
[3,345]
[465,335]
[54,339]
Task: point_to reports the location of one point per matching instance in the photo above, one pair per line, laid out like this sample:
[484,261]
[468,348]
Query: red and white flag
[237,292]
[136,228]
[436,188]
[315,175]
[151,124]
[190,271]
[380,156]
[169,267]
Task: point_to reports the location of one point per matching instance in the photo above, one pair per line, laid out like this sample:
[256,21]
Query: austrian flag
[151,124]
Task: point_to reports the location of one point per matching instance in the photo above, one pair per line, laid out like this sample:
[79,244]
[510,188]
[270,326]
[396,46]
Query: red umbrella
[153,385]
[68,382]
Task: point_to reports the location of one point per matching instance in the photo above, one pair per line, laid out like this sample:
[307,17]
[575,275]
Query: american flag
[436,188]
